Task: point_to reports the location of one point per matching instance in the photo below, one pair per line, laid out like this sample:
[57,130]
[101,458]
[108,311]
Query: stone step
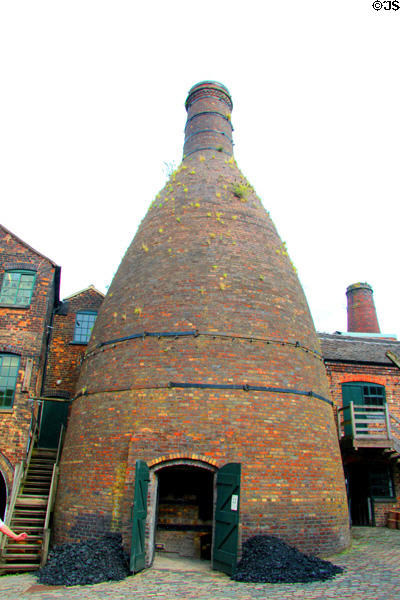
[35,491]
[21,528]
[13,567]
[33,547]
[36,500]
[25,556]
[34,511]
[35,540]
[24,521]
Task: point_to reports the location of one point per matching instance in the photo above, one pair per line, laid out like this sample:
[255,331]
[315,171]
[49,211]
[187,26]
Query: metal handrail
[51,499]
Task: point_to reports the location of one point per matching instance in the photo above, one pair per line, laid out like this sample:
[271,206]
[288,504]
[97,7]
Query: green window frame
[84,322]
[9,366]
[17,287]
[362,394]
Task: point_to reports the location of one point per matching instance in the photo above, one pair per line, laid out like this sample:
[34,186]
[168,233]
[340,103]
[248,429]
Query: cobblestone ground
[372,573]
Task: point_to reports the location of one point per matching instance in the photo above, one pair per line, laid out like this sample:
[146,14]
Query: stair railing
[18,476]
[51,499]
[395,425]
[366,422]
[33,433]
[20,472]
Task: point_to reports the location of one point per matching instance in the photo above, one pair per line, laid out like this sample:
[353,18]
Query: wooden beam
[394,358]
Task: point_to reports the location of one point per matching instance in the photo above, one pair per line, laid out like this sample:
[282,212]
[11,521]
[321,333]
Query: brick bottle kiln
[204,363]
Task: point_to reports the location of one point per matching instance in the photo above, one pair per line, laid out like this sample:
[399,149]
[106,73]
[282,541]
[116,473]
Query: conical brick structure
[204,353]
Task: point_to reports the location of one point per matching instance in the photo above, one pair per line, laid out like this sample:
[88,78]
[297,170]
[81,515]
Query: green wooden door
[226,526]
[369,398]
[351,392]
[139,513]
[54,415]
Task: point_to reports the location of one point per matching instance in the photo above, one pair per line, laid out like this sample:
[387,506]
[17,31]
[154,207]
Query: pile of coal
[267,559]
[86,563]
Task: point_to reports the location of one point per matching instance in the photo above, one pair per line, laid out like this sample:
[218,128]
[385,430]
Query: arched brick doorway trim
[202,461]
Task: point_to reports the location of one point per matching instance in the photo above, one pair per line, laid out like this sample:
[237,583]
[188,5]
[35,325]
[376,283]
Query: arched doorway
[185,508]
[3,495]
[189,508]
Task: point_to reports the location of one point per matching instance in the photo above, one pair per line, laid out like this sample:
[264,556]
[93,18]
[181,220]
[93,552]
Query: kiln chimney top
[208,125]
[361,313]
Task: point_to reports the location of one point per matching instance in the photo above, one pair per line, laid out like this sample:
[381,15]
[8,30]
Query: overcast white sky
[92,104]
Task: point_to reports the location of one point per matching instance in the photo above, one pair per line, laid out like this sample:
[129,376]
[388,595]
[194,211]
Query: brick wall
[23,331]
[361,313]
[386,375]
[65,356]
[381,374]
[229,276]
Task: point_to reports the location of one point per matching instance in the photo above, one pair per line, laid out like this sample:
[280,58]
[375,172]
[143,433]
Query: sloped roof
[89,288]
[340,347]
[28,246]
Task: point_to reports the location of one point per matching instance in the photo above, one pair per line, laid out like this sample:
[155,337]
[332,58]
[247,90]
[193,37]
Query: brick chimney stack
[208,125]
[361,313]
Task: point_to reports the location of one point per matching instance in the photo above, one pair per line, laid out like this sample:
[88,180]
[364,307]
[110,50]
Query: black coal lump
[267,559]
[85,563]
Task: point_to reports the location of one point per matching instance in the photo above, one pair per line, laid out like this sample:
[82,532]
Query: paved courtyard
[372,573]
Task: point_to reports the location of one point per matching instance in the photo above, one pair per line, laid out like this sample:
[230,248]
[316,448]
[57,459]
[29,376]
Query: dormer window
[84,322]
[17,288]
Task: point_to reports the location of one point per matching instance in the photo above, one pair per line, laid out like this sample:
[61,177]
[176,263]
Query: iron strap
[206,386]
[249,388]
[144,334]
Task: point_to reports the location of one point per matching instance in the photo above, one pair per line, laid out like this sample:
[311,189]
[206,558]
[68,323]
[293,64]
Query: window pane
[83,326]
[373,395]
[380,482]
[9,365]
[17,287]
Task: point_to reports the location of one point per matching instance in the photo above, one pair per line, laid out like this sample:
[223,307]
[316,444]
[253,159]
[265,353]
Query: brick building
[363,367]
[203,373]
[204,397]
[28,295]
[72,325]
[42,341]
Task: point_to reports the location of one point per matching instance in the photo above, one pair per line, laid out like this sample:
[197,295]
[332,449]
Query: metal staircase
[30,508]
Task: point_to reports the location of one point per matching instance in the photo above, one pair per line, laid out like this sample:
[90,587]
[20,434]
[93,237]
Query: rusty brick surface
[361,312]
[65,356]
[206,257]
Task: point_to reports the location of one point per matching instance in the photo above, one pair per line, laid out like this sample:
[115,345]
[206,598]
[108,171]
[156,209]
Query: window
[84,322]
[374,395]
[380,481]
[363,394]
[17,288]
[9,365]
[367,417]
